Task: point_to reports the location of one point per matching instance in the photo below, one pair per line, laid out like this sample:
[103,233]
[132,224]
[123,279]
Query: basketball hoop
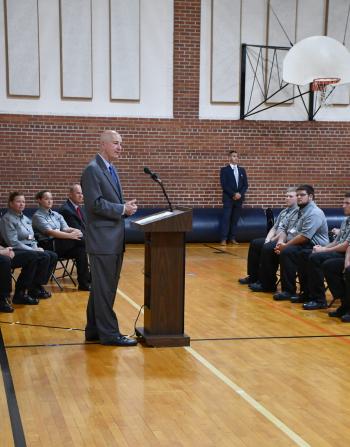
[321,85]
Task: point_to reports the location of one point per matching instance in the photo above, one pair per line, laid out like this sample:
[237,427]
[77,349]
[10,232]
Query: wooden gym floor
[258,372]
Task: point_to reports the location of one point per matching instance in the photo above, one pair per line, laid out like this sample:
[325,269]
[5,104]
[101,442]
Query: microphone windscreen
[147,171]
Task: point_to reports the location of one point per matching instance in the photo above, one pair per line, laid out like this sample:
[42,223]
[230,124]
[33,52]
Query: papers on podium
[153,218]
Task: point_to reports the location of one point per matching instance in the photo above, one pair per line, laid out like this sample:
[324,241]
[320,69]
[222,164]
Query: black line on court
[15,417]
[52,345]
[11,323]
[272,337]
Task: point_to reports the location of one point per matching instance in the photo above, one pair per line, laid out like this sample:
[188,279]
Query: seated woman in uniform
[54,234]
[17,232]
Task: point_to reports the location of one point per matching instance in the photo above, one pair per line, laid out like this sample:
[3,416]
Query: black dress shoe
[346,318]
[120,341]
[245,280]
[301,298]
[338,313]
[84,287]
[313,305]
[91,337]
[5,306]
[39,293]
[23,298]
[257,287]
[282,296]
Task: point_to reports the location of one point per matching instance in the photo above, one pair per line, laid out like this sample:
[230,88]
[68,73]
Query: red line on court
[309,323]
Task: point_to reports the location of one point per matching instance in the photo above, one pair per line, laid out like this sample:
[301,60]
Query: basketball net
[323,86]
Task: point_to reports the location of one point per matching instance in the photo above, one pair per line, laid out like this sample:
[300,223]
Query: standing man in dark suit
[72,210]
[234,185]
[105,239]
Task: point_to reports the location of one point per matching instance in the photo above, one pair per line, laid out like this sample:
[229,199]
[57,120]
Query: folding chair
[63,264]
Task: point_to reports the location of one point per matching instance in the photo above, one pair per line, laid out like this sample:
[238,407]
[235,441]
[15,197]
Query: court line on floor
[249,399]
[240,391]
[12,404]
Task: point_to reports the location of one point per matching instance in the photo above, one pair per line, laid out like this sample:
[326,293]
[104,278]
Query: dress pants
[292,261]
[45,263]
[315,277]
[253,261]
[101,318]
[71,248]
[338,282]
[230,216]
[268,267]
[24,259]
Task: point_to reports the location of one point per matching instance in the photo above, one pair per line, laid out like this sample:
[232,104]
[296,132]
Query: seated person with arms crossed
[256,246]
[17,232]
[54,234]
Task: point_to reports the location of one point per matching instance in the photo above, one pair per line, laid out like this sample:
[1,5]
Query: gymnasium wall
[42,150]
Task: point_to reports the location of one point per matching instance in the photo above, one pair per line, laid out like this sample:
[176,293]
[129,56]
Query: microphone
[155,177]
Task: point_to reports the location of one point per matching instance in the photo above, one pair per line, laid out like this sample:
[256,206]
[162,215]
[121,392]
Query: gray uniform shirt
[284,217]
[17,231]
[44,220]
[344,233]
[311,224]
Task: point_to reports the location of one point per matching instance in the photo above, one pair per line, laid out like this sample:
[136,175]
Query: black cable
[278,20]
[138,315]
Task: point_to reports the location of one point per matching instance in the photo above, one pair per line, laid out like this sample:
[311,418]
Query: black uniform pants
[71,248]
[338,281]
[268,266]
[292,261]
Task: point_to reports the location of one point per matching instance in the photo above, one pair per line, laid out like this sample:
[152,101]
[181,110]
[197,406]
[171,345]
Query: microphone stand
[164,192]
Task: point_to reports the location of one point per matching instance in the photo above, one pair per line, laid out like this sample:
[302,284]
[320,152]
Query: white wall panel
[280,34]
[226,27]
[336,23]
[125,49]
[76,41]
[155,73]
[22,48]
[254,22]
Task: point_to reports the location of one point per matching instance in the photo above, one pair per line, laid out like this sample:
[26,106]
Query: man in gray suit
[105,240]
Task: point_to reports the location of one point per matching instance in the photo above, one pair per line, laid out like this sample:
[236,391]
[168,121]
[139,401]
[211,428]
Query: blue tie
[114,177]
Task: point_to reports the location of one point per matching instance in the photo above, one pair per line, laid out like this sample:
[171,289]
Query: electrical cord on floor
[138,315]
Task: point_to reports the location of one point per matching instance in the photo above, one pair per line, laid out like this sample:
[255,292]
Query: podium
[164,277]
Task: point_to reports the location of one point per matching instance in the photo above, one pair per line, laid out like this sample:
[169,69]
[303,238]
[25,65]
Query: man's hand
[237,196]
[7,252]
[130,207]
[39,249]
[318,249]
[335,231]
[280,247]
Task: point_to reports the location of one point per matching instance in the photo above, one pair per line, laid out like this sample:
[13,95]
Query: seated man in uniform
[311,229]
[337,275]
[54,234]
[313,285]
[256,246]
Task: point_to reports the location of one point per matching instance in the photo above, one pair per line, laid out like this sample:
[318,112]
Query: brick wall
[49,152]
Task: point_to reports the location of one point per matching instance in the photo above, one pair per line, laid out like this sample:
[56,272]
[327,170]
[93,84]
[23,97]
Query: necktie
[80,214]
[235,172]
[114,177]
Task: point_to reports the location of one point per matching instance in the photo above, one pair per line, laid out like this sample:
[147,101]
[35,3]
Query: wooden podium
[164,277]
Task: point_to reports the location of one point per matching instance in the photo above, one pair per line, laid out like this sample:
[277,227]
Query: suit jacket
[105,229]
[229,185]
[71,217]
